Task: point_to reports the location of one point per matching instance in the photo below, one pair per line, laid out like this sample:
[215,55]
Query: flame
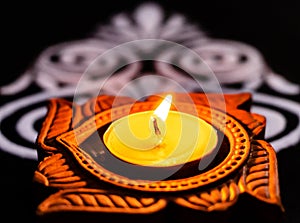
[163,109]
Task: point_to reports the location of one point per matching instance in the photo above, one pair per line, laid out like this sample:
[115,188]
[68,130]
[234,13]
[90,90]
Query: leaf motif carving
[98,201]
[57,173]
[218,198]
[260,177]
[62,118]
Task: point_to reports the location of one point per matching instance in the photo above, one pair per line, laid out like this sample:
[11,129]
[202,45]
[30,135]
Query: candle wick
[155,125]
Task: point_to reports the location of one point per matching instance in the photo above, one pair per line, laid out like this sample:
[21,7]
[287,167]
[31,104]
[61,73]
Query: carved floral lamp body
[92,163]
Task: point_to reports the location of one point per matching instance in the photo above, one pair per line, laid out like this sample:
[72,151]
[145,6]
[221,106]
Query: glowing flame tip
[163,109]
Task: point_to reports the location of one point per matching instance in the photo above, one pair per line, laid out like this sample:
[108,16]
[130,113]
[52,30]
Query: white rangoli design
[59,68]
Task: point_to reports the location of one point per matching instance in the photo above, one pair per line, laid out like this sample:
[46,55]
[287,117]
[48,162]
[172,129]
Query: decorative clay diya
[80,179]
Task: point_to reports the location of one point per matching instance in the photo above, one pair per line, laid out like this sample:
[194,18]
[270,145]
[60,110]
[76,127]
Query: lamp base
[77,180]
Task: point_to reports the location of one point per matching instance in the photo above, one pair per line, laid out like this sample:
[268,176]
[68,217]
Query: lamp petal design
[244,178]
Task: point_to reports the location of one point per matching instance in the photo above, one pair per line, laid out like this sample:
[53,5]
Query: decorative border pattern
[233,130]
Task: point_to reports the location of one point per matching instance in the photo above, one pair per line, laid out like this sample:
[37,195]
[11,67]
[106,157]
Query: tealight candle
[160,138]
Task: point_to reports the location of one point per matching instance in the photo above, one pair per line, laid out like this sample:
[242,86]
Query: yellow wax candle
[160,138]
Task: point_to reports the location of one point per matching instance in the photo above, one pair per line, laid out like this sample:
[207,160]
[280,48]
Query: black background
[272,27]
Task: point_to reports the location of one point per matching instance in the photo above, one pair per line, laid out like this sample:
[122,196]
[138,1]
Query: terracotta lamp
[170,157]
